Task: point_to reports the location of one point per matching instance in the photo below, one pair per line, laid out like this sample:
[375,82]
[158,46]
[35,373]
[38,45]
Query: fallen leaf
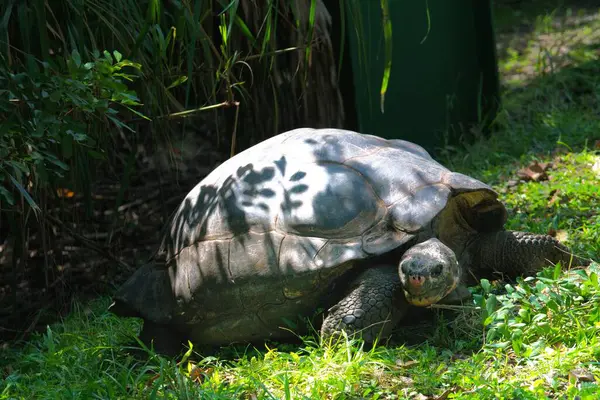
[406,381]
[554,196]
[581,375]
[534,172]
[64,193]
[405,364]
[199,374]
[151,380]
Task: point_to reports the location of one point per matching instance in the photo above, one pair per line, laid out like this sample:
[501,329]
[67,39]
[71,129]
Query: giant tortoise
[353,224]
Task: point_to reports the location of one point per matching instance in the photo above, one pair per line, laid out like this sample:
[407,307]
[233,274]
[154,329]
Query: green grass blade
[387,33]
[428,22]
[245,30]
[311,31]
[4,36]
[40,13]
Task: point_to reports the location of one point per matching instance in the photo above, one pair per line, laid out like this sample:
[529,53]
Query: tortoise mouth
[423,297]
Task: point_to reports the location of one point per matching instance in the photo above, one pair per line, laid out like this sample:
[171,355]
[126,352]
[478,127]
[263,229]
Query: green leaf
[485,285]
[127,63]
[54,160]
[55,96]
[594,279]
[490,304]
[7,195]
[25,194]
[553,306]
[178,81]
[19,166]
[557,271]
[76,58]
[118,56]
[39,130]
[524,314]
[245,30]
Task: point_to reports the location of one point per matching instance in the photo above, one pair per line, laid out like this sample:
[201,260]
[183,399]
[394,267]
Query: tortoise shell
[268,234]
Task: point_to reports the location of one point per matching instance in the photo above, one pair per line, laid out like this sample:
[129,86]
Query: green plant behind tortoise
[330,219]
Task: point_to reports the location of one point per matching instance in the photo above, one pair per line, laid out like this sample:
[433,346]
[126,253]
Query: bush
[56,111]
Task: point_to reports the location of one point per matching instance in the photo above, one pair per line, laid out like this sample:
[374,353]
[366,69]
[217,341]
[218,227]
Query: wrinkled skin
[330,219]
[429,271]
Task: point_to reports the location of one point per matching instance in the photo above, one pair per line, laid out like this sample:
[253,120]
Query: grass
[535,339]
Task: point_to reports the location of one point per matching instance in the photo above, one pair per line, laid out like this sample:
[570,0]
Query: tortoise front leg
[516,253]
[371,308]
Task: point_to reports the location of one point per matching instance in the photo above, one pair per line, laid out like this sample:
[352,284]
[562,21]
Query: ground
[535,339]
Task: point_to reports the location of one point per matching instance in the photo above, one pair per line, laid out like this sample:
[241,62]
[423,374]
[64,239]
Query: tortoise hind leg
[517,253]
[371,308]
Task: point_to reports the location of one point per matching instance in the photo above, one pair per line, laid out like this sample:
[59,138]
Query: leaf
[64,193]
[557,271]
[580,375]
[19,167]
[535,172]
[25,194]
[490,304]
[245,30]
[107,56]
[7,195]
[485,285]
[178,81]
[54,160]
[55,96]
[405,364]
[76,58]
[118,56]
[555,196]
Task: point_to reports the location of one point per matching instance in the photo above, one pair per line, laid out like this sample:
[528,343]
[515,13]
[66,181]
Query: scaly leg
[371,308]
[516,253]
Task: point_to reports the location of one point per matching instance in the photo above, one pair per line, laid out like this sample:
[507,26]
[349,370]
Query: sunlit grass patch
[533,339]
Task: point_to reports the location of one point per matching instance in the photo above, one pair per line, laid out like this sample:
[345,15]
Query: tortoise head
[429,271]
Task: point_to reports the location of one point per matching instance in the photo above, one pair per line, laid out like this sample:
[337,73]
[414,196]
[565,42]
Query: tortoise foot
[372,307]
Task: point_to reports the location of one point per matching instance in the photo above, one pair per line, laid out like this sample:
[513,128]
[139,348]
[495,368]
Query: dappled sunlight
[269,233]
[556,41]
[278,231]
